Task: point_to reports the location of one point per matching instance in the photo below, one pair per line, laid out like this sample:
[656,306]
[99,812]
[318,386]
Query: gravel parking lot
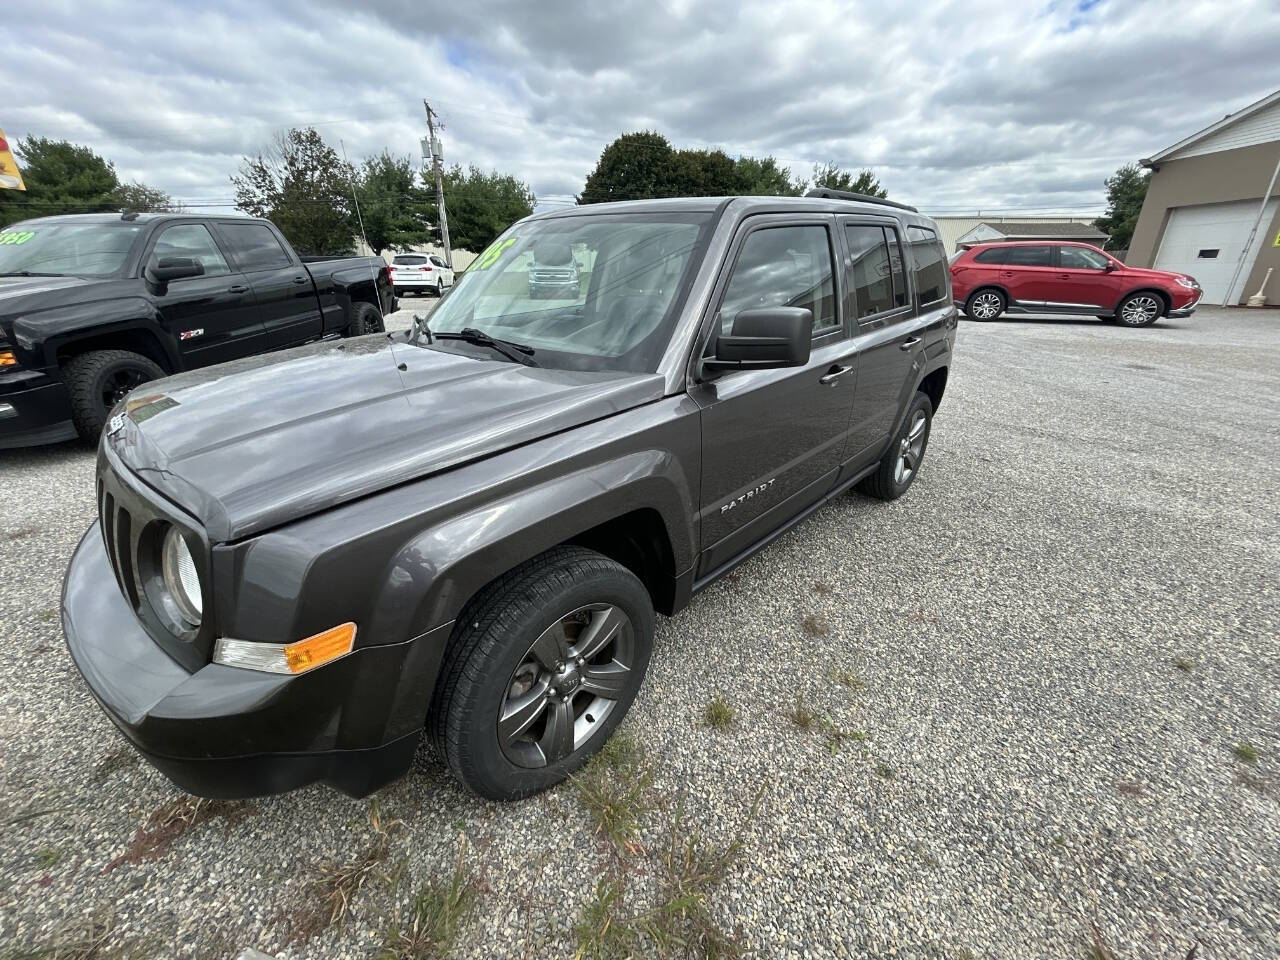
[1030,710]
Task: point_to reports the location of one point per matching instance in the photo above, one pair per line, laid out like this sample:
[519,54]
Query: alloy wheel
[1139,311]
[985,305]
[565,686]
[911,449]
[117,385]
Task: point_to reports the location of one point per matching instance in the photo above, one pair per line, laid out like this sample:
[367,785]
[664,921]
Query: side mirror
[174,268]
[1111,266]
[764,338]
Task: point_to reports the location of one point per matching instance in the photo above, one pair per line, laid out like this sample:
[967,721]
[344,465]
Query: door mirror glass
[174,268]
[763,338]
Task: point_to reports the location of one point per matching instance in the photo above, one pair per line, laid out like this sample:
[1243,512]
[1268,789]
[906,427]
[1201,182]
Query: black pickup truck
[92,306]
[468,528]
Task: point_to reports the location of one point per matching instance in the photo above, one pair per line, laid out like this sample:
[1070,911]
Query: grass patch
[848,679]
[884,771]
[680,921]
[1183,664]
[428,928]
[1245,752]
[837,737]
[615,788]
[48,858]
[802,716]
[814,626]
[174,820]
[718,715]
[95,939]
[48,615]
[329,898]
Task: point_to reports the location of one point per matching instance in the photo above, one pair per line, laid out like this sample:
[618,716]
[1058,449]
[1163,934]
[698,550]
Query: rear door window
[1028,256]
[871,270]
[253,246]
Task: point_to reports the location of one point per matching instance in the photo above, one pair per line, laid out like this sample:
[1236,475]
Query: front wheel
[985,305]
[1139,310]
[98,380]
[901,462]
[542,667]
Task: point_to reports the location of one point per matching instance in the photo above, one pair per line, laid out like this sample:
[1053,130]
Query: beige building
[952,228]
[1212,209]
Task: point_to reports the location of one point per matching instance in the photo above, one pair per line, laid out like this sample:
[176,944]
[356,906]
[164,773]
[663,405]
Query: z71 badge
[748,495]
[191,334]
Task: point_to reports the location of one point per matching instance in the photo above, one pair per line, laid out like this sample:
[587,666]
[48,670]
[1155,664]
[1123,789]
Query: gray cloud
[981,105]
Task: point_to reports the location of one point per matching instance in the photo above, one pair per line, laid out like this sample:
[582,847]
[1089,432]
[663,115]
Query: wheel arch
[989,286]
[1164,298]
[136,339]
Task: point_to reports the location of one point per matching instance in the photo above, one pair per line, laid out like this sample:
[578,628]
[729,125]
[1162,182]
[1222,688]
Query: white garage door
[1205,241]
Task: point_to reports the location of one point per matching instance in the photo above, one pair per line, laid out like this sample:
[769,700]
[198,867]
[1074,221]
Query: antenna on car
[828,194]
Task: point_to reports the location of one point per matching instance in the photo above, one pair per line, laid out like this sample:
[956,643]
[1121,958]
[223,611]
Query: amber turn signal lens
[299,657]
[321,648]
[7,359]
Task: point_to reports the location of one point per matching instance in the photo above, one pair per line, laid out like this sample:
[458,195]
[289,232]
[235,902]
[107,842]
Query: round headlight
[181,578]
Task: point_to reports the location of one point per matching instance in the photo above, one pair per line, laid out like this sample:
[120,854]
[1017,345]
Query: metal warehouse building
[1201,214]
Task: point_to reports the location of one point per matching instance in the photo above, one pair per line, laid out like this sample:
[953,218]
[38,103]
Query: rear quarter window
[994,255]
[930,264]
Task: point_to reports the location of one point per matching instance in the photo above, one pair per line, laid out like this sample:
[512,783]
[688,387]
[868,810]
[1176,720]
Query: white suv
[420,273]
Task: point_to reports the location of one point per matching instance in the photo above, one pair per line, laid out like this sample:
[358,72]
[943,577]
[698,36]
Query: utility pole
[431,150]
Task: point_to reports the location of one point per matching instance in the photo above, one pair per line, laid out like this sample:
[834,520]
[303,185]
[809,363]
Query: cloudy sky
[955,105]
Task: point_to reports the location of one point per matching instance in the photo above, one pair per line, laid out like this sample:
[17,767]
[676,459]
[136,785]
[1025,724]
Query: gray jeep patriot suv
[304,560]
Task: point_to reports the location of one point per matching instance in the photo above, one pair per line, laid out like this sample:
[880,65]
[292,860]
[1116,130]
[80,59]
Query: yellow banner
[10,175]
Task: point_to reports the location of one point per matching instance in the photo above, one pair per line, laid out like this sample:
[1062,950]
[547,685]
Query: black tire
[439,289]
[977,307]
[889,482]
[494,639]
[1140,309]
[98,380]
[365,319]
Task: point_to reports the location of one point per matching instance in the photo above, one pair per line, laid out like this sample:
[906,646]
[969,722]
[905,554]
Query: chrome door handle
[834,374]
[299,279]
[908,344]
[237,289]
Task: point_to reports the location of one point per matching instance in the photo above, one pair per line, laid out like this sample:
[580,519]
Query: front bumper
[34,409]
[1187,310]
[226,732]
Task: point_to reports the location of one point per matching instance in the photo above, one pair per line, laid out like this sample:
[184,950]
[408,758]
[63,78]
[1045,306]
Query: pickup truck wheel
[985,304]
[901,462]
[543,665]
[365,319]
[98,380]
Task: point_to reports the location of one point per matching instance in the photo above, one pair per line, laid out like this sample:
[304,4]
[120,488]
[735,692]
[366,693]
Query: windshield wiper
[517,352]
[32,273]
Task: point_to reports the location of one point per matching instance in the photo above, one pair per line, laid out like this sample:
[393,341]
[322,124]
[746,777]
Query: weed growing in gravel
[849,679]
[1245,752]
[329,898]
[680,922]
[837,737]
[48,857]
[718,715]
[615,788]
[96,939]
[822,589]
[1098,949]
[814,625]
[1183,664]
[802,716]
[122,758]
[885,771]
[170,822]
[436,913]
[1129,788]
[49,615]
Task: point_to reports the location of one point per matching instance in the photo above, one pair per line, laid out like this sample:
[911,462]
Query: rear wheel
[901,462]
[365,319]
[1139,310]
[542,667]
[98,380]
[985,304]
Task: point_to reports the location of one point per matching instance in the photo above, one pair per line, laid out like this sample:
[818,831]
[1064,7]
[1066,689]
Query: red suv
[1071,278]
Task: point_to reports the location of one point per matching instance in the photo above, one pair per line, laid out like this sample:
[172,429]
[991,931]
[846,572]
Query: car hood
[251,444]
[1143,273]
[14,291]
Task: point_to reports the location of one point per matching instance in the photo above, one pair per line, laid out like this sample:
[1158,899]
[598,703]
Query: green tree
[833,178]
[1126,189]
[636,166]
[763,177]
[60,177]
[699,173]
[300,185]
[481,204]
[140,198]
[396,211]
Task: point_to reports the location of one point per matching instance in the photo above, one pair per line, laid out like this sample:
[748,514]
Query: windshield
[585,292]
[74,249]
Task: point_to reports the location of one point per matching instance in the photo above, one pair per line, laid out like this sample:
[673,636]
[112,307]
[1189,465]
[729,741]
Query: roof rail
[828,194]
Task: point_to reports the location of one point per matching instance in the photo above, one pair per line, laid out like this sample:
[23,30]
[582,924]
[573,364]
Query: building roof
[1042,229]
[951,227]
[1230,120]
